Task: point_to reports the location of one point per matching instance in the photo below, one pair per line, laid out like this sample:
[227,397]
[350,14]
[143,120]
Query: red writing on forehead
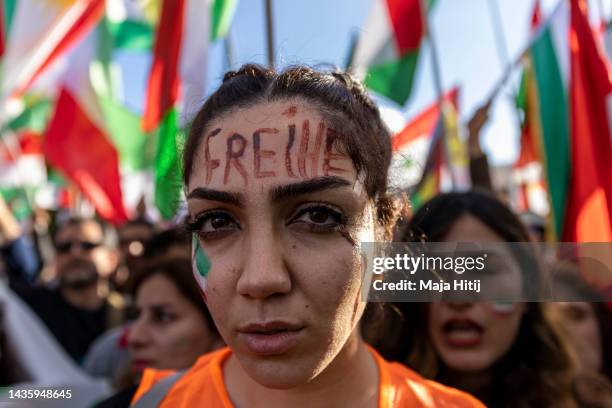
[259,154]
[210,163]
[236,144]
[290,111]
[306,151]
[329,155]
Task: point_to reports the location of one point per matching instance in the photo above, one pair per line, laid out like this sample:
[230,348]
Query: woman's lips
[462,333]
[140,364]
[269,338]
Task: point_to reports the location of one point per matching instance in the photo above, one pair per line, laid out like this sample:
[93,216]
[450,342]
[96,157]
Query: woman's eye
[319,218]
[214,225]
[163,317]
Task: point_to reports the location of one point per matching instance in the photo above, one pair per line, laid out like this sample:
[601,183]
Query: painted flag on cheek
[200,264]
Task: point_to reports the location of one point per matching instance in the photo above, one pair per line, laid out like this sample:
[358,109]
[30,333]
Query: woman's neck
[351,379]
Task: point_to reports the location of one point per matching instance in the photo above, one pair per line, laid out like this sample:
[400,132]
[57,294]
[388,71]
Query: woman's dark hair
[342,101]
[538,370]
[436,217]
[433,221]
[568,283]
[179,272]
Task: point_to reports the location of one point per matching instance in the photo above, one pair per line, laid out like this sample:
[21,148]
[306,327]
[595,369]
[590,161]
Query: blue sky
[319,31]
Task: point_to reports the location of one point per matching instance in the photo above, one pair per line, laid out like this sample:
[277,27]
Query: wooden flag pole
[270,33]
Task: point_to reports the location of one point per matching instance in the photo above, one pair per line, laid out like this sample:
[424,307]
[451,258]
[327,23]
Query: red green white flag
[387,52]
[565,95]
[34,47]
[77,140]
[177,83]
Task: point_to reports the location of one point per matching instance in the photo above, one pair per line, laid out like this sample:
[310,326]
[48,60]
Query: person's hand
[10,229]
[475,124]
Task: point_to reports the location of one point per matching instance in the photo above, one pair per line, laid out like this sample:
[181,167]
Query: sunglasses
[65,247]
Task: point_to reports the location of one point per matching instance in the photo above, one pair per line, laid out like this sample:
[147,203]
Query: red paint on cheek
[290,111]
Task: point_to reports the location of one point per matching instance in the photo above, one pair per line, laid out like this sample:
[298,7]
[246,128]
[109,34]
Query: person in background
[81,307]
[108,356]
[585,318]
[20,259]
[173,327]
[133,237]
[506,354]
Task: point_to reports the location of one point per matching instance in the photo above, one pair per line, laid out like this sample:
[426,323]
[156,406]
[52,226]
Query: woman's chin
[278,372]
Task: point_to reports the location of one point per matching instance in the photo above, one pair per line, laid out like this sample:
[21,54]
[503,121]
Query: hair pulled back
[342,101]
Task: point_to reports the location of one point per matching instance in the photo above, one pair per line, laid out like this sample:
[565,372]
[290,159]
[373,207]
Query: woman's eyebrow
[203,193]
[286,191]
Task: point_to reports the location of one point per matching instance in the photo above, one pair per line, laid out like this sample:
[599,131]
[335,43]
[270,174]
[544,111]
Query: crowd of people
[253,297]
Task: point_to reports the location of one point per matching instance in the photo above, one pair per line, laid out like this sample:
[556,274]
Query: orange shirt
[399,386]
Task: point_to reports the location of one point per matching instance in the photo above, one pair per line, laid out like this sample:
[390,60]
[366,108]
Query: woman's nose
[264,270]
[138,333]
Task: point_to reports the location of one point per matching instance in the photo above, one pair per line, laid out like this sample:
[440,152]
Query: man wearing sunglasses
[81,307]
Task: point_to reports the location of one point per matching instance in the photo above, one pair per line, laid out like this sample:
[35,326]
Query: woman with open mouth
[285,176]
[508,354]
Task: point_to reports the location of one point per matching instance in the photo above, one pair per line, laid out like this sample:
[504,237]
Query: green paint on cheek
[200,260]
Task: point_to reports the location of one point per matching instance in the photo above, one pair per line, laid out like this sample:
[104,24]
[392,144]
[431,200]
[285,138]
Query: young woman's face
[280,213]
[170,332]
[472,336]
[579,319]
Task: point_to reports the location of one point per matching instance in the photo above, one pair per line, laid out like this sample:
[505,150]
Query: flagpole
[512,65]
[270,33]
[502,49]
[230,56]
[354,39]
[437,76]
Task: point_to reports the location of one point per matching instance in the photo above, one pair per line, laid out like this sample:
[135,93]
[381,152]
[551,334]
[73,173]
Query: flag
[411,145]
[131,24]
[564,95]
[177,82]
[77,140]
[545,100]
[427,126]
[33,48]
[423,124]
[589,204]
[388,49]
[429,184]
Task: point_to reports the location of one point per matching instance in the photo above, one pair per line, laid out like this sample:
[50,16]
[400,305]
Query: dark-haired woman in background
[586,319]
[173,327]
[506,354]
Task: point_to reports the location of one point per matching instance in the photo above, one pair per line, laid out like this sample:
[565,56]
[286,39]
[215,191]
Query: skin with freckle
[285,176]
[319,269]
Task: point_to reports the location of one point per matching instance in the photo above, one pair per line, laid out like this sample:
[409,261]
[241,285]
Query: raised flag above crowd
[64,68]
